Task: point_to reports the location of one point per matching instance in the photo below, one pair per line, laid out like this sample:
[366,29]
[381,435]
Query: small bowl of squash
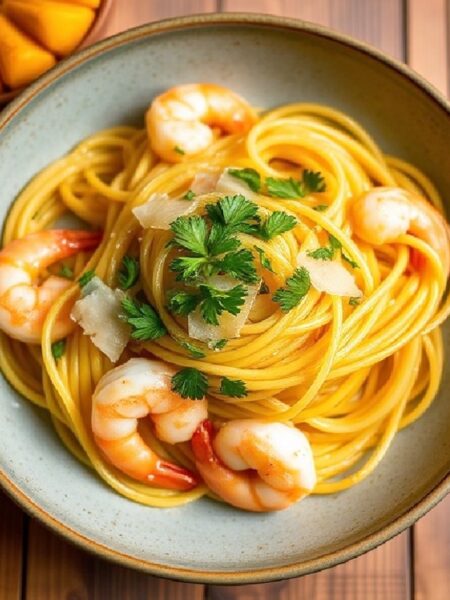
[36,34]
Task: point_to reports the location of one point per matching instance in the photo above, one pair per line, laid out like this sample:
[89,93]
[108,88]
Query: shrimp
[180,121]
[383,214]
[139,388]
[255,465]
[24,303]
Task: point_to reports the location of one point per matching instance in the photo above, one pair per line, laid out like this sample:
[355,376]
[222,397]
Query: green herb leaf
[264,260]
[220,344]
[182,303]
[354,301]
[189,195]
[179,150]
[232,211]
[191,233]
[313,181]
[283,188]
[335,244]
[220,240]
[58,349]
[323,253]
[66,272]
[251,177]
[233,387]
[194,351]
[144,320]
[296,288]
[277,223]
[187,267]
[129,272]
[86,278]
[215,302]
[239,265]
[190,383]
[350,261]
[320,207]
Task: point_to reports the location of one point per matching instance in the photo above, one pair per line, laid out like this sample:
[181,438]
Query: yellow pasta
[349,374]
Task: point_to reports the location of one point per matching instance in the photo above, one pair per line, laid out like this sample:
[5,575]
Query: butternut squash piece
[58,26]
[89,3]
[21,59]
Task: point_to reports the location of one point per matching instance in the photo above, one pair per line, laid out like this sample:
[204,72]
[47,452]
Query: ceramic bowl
[92,36]
[270,61]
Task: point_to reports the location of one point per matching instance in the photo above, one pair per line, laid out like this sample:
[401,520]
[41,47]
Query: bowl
[269,61]
[91,36]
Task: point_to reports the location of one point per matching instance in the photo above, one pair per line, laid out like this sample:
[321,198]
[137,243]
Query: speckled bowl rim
[439,491]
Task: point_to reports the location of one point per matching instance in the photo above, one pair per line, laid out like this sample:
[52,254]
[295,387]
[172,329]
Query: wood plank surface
[55,570]
[11,539]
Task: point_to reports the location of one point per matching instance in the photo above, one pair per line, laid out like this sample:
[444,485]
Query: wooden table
[37,565]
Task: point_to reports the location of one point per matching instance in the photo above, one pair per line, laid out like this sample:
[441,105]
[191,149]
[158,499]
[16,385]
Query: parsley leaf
[283,188]
[296,288]
[354,301]
[232,211]
[58,349]
[191,233]
[323,253]
[144,320]
[215,302]
[194,351]
[219,344]
[189,195]
[86,278]
[239,265]
[350,261]
[220,240]
[233,387]
[313,181]
[335,244]
[190,383]
[320,207]
[182,303]
[66,272]
[277,223]
[264,260]
[179,150]
[187,267]
[251,177]
[129,272]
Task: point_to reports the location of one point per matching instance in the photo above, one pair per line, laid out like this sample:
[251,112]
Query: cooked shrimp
[180,121]
[255,465]
[383,214]
[24,303]
[137,389]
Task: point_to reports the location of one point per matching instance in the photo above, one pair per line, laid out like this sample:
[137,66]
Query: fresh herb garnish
[129,272]
[86,278]
[190,383]
[144,320]
[189,195]
[220,344]
[320,207]
[328,252]
[311,181]
[323,253]
[182,303]
[191,233]
[251,177]
[354,301]
[65,271]
[264,260]
[239,265]
[214,302]
[233,387]
[295,290]
[351,262]
[194,351]
[179,150]
[232,211]
[58,349]
[277,223]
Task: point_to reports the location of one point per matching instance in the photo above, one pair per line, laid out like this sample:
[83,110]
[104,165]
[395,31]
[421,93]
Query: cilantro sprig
[235,388]
[249,176]
[296,288]
[329,252]
[144,320]
[128,272]
[311,181]
[190,383]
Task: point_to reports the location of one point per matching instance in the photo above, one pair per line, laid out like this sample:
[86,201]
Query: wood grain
[11,536]
[427,40]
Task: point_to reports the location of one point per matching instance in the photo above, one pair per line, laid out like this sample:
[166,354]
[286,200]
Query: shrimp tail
[168,475]
[201,443]
[77,240]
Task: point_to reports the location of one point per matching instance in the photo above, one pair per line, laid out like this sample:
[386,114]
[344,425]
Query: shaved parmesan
[204,183]
[160,211]
[98,314]
[228,184]
[329,276]
[229,325]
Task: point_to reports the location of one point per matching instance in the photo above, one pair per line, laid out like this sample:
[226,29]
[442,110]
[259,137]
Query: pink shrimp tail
[77,240]
[170,476]
[201,443]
